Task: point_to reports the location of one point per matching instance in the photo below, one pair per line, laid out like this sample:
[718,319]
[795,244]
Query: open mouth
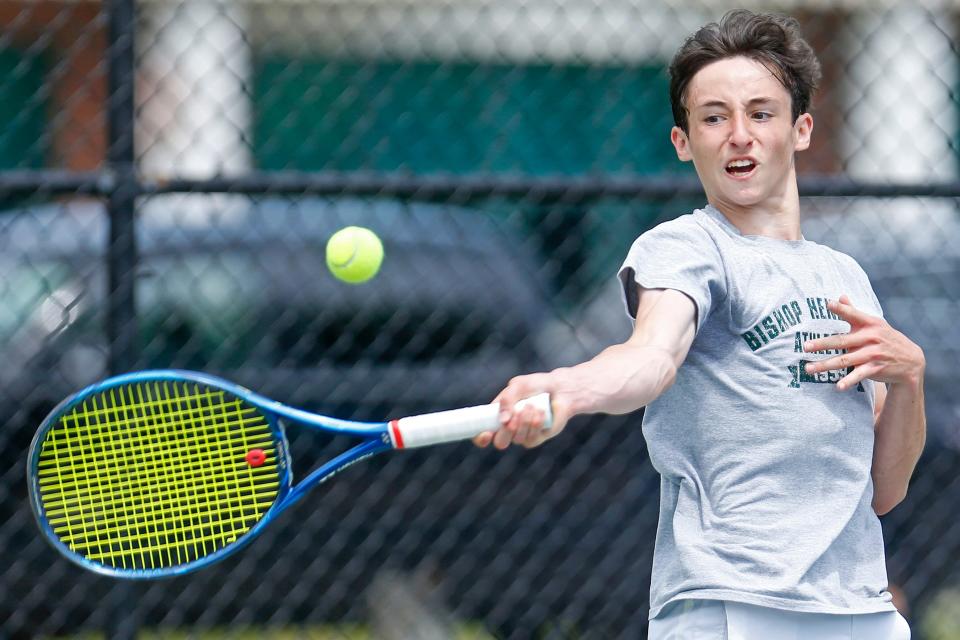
[740,167]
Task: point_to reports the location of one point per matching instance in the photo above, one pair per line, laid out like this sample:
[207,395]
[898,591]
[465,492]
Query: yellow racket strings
[155,475]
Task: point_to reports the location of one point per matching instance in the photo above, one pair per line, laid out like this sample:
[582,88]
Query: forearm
[900,434]
[620,379]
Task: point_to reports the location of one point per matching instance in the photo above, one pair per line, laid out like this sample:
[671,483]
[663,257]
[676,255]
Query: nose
[740,133]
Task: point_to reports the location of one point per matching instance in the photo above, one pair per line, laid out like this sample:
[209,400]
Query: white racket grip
[457,424]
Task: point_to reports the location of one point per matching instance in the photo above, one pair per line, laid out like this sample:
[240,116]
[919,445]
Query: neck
[778,217]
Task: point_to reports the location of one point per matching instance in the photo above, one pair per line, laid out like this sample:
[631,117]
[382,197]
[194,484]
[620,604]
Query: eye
[713,119]
[762,115]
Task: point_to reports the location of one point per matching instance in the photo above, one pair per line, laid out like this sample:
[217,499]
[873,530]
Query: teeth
[740,163]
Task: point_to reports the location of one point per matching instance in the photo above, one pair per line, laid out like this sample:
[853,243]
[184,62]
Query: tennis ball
[354,254]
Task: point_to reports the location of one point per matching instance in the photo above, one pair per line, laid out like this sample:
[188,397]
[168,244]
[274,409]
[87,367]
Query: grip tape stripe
[395,432]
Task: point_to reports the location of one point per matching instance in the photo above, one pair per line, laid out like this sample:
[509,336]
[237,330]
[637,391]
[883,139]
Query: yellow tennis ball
[354,254]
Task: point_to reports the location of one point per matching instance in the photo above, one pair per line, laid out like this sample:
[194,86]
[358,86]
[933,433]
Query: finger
[533,420]
[856,376]
[843,361]
[521,435]
[536,440]
[845,309]
[504,435]
[838,342]
[516,390]
[483,439]
[520,422]
[506,401]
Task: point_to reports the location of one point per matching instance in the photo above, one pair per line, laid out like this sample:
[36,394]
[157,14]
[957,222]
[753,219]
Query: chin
[741,200]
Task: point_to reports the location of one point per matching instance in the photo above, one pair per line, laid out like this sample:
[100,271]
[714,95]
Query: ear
[802,130]
[681,143]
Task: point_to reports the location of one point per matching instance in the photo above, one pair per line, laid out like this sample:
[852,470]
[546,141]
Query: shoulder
[677,254]
[692,230]
[847,262]
[683,245]
[690,223]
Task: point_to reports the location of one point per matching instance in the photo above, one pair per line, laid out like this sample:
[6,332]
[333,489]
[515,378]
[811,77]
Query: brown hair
[772,40]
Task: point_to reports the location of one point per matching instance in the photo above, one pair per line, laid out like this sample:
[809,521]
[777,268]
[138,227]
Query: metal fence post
[121,321]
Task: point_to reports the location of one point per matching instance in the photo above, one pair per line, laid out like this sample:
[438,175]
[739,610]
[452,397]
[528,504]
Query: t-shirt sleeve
[676,255]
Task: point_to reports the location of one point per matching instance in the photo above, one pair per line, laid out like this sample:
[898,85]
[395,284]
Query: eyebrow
[721,103]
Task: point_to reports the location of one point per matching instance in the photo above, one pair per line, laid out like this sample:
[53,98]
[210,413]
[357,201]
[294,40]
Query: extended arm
[620,379]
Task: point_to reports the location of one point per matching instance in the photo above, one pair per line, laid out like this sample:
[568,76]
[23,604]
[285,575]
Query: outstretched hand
[875,349]
[525,427]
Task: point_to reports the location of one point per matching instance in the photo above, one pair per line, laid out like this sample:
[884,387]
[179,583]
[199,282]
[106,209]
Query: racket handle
[457,424]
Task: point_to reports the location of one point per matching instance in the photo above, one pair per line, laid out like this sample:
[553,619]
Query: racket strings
[154,475]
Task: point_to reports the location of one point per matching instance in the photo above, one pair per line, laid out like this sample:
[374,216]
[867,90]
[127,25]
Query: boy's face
[741,138]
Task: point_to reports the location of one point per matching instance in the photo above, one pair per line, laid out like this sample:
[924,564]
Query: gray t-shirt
[765,493]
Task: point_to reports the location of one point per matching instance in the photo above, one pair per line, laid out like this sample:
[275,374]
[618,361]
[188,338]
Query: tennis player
[783,413]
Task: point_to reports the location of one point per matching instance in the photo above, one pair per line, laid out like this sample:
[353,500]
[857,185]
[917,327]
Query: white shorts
[724,620]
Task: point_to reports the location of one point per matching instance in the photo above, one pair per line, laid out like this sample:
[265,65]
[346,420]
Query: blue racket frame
[375,438]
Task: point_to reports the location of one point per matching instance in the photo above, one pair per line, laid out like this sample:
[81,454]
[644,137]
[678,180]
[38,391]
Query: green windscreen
[428,117]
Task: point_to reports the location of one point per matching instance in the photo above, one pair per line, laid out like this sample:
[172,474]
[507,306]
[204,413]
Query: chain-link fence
[169,175]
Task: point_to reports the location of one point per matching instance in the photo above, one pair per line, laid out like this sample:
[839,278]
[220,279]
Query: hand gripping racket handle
[458,424]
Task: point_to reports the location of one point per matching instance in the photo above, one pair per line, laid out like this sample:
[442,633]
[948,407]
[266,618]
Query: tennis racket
[160,473]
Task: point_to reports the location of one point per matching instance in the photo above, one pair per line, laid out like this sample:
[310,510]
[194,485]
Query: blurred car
[240,288]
